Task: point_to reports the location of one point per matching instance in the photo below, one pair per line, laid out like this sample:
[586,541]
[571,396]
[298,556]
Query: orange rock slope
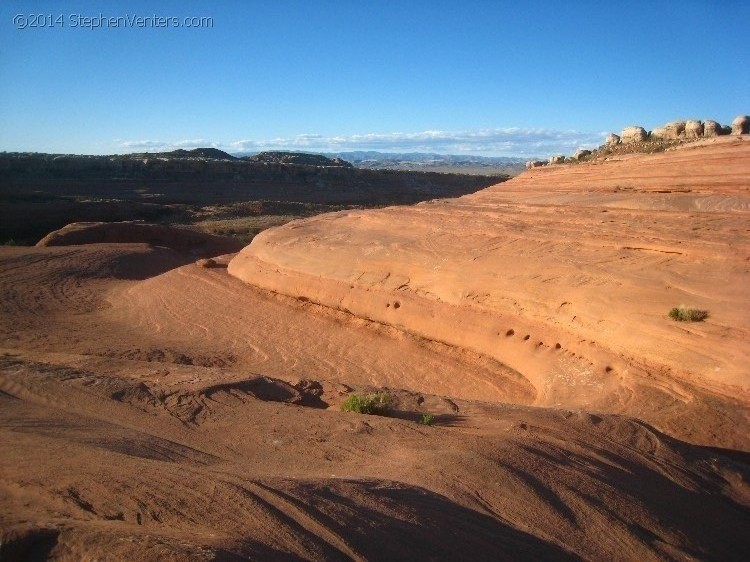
[564,274]
[152,408]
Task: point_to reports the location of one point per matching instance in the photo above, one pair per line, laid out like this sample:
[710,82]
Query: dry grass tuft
[687,314]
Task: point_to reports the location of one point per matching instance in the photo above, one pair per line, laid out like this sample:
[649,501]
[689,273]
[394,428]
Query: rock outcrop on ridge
[638,139]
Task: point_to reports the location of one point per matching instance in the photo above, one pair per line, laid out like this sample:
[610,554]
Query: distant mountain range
[428,162]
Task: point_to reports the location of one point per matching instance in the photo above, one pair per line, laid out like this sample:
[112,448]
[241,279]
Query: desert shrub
[376,403]
[687,314]
[427,419]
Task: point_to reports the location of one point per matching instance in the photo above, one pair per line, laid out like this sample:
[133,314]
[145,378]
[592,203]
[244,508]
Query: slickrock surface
[564,274]
[152,408]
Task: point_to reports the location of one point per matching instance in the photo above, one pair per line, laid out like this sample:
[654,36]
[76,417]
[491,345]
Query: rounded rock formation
[741,125]
[693,129]
[634,134]
[674,130]
[612,140]
[557,159]
[659,133]
[581,154]
[712,128]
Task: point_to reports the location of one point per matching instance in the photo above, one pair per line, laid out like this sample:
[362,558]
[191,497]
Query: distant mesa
[195,153]
[298,158]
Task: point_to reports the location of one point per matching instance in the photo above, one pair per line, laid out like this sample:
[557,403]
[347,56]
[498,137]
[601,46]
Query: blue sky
[491,78]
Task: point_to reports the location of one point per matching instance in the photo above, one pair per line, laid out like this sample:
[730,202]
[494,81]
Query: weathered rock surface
[674,130]
[581,154]
[712,128]
[634,134]
[136,425]
[537,258]
[693,129]
[557,159]
[612,139]
[741,125]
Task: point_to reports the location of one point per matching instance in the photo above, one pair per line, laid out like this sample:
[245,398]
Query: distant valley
[204,188]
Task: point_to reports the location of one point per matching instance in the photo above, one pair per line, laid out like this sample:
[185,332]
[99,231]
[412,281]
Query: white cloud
[511,141]
[153,145]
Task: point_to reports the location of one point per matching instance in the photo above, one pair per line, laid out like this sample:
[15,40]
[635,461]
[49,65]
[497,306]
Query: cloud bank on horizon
[509,141]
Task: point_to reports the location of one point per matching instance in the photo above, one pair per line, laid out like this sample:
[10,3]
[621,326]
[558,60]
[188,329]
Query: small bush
[427,419]
[376,403]
[687,314]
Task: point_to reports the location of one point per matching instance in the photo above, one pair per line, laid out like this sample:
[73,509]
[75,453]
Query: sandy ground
[155,409]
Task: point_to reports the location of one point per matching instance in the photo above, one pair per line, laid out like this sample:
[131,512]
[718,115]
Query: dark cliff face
[42,192]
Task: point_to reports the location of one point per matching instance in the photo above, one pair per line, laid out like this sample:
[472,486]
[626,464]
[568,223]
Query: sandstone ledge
[585,260]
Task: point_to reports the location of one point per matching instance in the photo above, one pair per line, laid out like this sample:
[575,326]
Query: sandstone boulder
[581,154]
[693,129]
[557,159]
[674,130]
[206,262]
[659,133]
[741,125]
[612,139]
[711,128]
[634,134]
[535,164]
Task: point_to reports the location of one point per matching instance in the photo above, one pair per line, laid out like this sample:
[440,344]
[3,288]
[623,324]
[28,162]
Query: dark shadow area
[305,393]
[446,420]
[733,454]
[382,520]
[712,525]
[28,544]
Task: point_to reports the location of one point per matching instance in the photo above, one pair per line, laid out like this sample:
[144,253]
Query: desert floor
[153,408]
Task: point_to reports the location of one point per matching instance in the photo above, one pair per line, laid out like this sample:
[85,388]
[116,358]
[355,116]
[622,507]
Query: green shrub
[687,314]
[376,403]
[427,419]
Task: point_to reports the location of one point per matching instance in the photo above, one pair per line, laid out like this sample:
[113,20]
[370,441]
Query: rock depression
[564,274]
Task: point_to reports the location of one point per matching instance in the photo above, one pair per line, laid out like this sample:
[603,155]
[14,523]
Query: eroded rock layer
[564,274]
